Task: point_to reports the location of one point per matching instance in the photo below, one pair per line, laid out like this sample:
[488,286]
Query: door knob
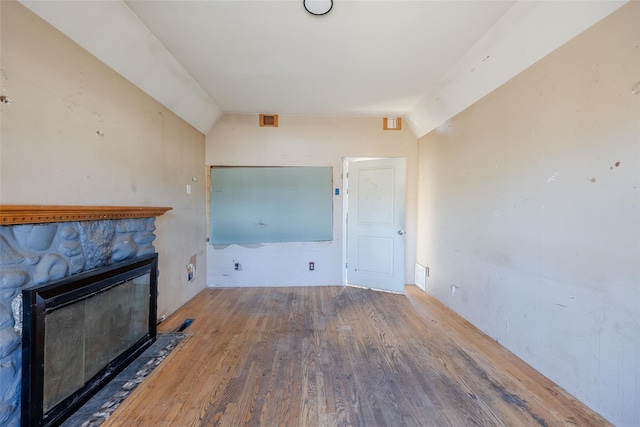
[400,232]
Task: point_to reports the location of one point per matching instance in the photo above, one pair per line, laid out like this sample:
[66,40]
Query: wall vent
[269,120]
[392,123]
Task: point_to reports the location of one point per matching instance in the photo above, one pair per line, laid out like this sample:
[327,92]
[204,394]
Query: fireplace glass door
[81,331]
[81,338]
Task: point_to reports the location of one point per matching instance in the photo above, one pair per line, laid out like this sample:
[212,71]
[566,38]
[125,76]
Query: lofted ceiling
[421,60]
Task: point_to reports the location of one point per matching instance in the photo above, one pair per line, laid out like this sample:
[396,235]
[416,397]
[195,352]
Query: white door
[375,224]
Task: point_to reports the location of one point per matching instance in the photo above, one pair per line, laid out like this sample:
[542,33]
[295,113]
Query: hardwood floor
[340,356]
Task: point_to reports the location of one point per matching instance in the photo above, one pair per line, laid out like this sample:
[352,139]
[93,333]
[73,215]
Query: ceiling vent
[392,123]
[269,120]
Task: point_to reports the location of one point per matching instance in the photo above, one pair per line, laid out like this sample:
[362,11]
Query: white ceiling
[422,60]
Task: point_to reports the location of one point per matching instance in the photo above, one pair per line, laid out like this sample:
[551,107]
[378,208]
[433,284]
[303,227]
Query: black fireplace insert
[79,332]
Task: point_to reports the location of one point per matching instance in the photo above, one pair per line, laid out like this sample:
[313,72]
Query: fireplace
[80,332]
[41,245]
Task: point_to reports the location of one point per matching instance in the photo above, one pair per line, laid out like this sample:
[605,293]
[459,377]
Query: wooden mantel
[37,214]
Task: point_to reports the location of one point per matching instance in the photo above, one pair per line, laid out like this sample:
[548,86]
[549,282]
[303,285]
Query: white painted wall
[237,140]
[51,153]
[528,203]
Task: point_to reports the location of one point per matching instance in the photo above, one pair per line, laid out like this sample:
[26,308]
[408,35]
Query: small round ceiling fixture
[318,7]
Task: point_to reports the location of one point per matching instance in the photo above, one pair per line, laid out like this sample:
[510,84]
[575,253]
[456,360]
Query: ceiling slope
[423,60]
[114,34]
[529,31]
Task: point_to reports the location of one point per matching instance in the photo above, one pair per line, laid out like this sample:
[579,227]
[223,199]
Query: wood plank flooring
[336,356]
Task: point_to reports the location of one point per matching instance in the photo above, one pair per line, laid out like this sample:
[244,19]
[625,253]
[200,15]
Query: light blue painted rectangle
[271,204]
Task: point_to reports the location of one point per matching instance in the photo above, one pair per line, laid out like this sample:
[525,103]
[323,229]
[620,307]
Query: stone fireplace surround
[39,244]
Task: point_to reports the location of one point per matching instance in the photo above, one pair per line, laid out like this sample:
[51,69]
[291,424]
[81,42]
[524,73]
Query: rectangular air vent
[392,123]
[269,120]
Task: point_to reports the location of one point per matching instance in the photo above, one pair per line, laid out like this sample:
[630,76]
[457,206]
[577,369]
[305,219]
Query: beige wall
[51,152]
[521,202]
[528,203]
[237,140]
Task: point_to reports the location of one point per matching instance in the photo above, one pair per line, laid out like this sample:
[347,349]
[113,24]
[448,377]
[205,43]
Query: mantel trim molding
[38,214]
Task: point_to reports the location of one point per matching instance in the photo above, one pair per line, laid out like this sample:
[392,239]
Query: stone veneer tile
[31,254]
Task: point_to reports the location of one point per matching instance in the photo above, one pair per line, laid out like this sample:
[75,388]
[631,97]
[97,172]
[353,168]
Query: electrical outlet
[236,265]
[312,266]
